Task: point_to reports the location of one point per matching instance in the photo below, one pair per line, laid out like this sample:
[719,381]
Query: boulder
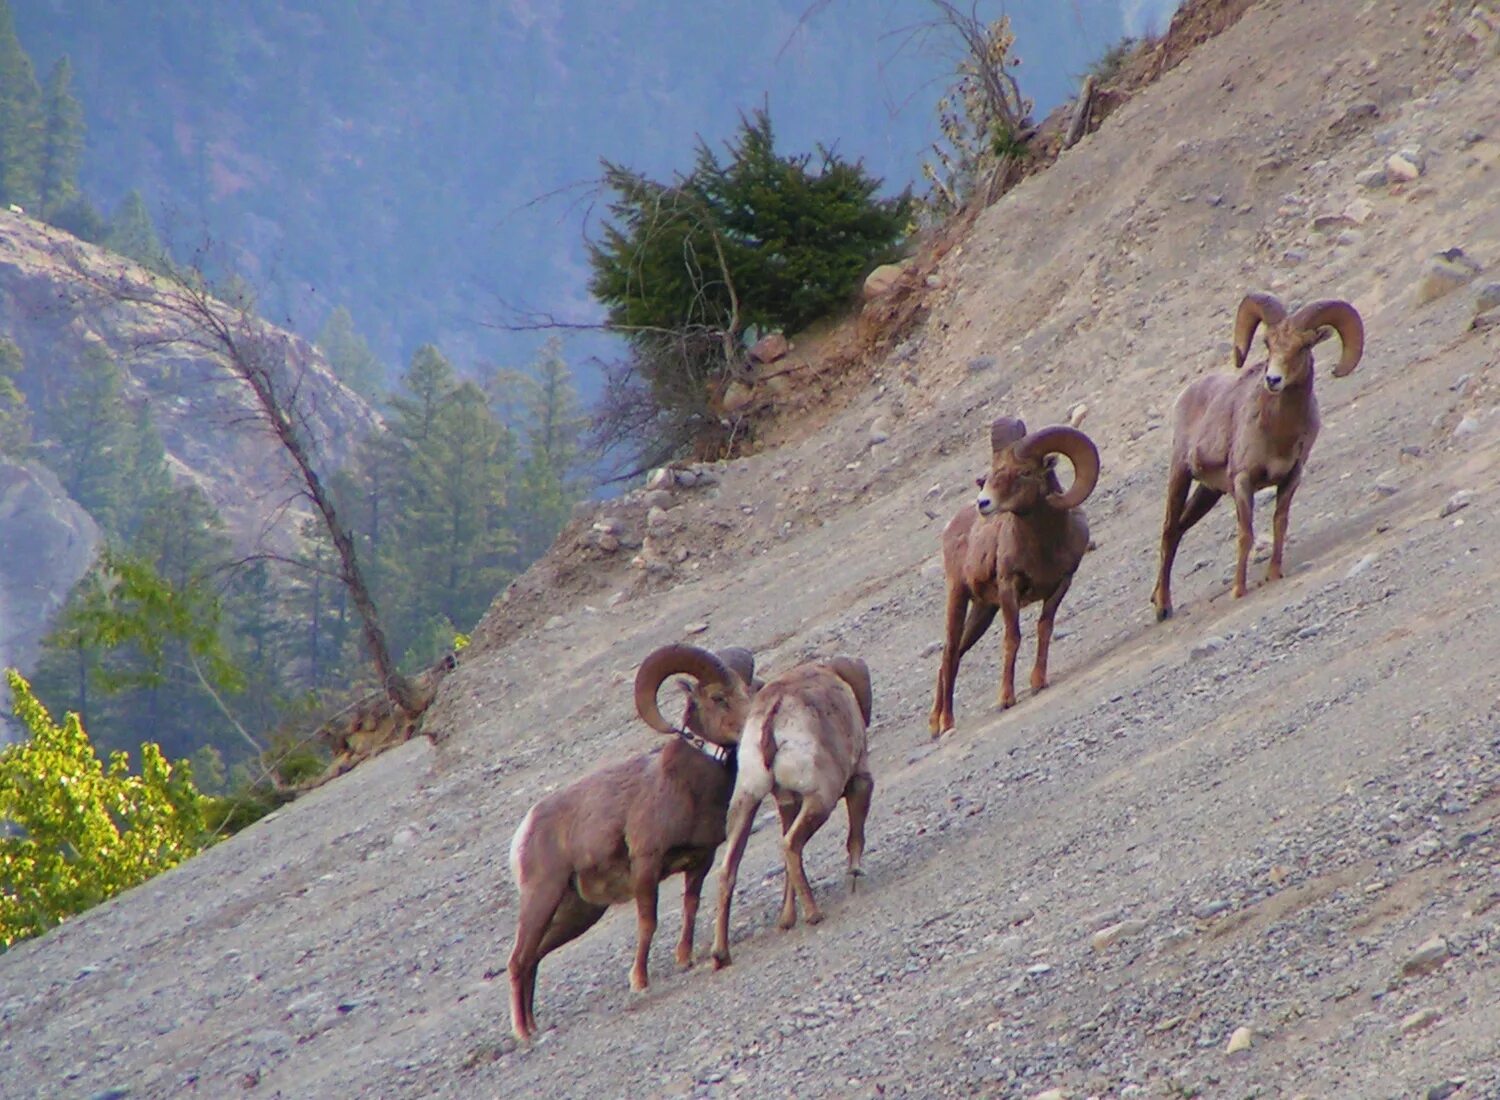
[880,281]
[770,348]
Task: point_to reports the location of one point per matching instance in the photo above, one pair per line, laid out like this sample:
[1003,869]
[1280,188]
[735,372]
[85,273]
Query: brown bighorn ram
[616,833]
[1019,542]
[805,742]
[1238,433]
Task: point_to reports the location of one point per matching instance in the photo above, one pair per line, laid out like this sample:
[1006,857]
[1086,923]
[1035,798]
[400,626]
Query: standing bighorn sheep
[805,742]
[616,833]
[1019,542]
[1238,433]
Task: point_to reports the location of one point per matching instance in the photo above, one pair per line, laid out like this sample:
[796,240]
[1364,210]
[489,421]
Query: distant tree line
[41,148]
[177,638]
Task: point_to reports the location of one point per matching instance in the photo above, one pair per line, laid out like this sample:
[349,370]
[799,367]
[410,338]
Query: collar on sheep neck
[717,753]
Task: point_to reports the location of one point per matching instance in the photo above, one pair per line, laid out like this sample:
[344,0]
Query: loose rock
[1458,501]
[1242,1040]
[1427,958]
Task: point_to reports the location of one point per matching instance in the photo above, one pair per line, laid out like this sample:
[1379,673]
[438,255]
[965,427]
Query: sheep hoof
[638,983]
[1163,614]
[814,917]
[720,960]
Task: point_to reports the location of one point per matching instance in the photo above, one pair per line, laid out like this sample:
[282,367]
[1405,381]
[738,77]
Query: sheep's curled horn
[1061,439]
[688,660]
[1343,318]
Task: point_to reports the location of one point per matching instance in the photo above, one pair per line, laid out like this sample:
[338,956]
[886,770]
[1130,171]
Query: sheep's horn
[739,661]
[856,674]
[670,660]
[1254,310]
[1343,319]
[1077,448]
[1005,431]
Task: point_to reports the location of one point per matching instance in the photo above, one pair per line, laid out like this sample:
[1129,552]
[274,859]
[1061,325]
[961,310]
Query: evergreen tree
[764,240]
[20,119]
[15,416]
[353,363]
[62,141]
[132,234]
[449,547]
[91,435]
[548,476]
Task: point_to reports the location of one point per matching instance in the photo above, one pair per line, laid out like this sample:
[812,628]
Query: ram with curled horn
[614,835]
[1020,541]
[1253,429]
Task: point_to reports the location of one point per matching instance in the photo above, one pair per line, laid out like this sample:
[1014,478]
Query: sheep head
[1290,339]
[717,700]
[1022,468]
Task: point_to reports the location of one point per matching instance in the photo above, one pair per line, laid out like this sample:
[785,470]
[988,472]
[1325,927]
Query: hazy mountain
[426,164]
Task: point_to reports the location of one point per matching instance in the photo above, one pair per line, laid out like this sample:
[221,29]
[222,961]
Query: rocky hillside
[1254,850]
[62,301]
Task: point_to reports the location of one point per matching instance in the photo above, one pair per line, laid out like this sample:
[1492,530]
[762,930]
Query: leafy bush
[77,833]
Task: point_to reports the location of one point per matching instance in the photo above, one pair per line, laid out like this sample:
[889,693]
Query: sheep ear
[1322,334]
[1051,462]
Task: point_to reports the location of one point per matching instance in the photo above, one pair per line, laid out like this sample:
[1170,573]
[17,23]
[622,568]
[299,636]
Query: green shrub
[75,832]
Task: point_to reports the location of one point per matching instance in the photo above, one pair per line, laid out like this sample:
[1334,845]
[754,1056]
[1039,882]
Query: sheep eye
[979,482]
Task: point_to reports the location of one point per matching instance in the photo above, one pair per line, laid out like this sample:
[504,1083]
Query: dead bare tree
[273,366]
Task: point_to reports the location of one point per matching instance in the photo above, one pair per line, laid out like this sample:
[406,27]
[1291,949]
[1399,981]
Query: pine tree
[20,119]
[90,429]
[15,416]
[353,363]
[62,141]
[548,476]
[132,234]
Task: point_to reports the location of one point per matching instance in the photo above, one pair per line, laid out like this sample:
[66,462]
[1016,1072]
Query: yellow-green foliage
[72,832]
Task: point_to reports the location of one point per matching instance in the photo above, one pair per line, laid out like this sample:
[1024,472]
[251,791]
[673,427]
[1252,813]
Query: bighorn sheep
[804,742]
[1019,542]
[1238,433]
[617,832]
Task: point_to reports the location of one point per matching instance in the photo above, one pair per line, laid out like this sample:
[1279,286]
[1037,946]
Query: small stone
[1359,211]
[663,477]
[1444,1089]
[1387,483]
[881,281]
[1295,255]
[616,600]
[880,432]
[981,363]
[770,348]
[1168,1024]
[1241,1040]
[1443,277]
[1405,166]
[1077,413]
[1210,909]
[932,649]
[1419,1020]
[608,543]
[1051,1094]
[1372,178]
[1427,958]
[1457,502]
[1488,298]
[1106,938]
[657,498]
[695,628]
[1484,321]
[737,396]
[1360,566]
[656,517]
[1207,647]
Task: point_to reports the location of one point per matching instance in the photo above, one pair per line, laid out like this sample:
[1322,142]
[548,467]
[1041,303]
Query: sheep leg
[857,801]
[692,891]
[645,876]
[741,814]
[940,721]
[1171,534]
[1284,493]
[788,809]
[1244,510]
[809,820]
[980,616]
[1010,604]
[1044,633]
[532,924]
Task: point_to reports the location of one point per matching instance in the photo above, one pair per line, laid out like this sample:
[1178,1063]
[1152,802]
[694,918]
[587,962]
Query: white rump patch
[518,846]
